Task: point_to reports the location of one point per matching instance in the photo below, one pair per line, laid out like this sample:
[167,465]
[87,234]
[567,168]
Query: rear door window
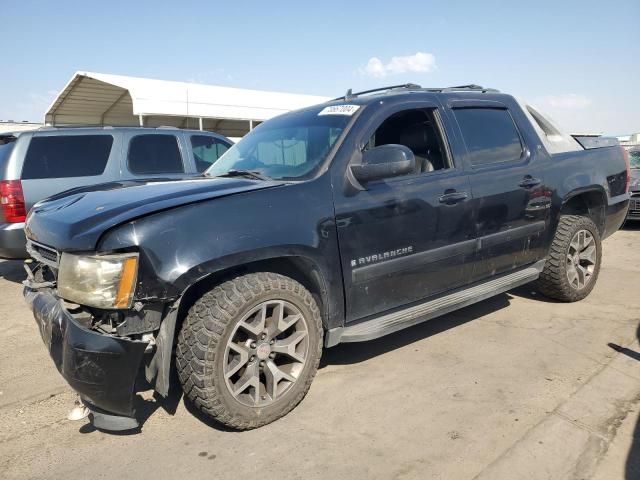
[490,135]
[206,150]
[67,156]
[152,154]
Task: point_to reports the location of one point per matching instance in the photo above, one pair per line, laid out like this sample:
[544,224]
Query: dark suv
[341,222]
[40,163]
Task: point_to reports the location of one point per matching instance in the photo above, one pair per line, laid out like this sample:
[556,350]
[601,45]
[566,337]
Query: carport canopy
[103,99]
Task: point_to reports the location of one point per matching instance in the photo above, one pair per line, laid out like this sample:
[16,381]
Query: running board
[392,322]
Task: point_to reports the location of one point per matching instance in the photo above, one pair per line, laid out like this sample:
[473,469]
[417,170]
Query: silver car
[38,164]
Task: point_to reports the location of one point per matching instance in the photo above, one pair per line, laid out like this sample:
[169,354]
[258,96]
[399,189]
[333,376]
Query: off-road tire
[203,337]
[553,281]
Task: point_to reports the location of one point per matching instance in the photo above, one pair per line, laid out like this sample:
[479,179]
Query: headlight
[102,281]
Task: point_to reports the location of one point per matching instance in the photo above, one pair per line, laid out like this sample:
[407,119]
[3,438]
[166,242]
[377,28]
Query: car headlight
[102,281]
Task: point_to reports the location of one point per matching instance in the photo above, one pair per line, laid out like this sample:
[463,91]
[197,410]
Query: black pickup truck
[338,223]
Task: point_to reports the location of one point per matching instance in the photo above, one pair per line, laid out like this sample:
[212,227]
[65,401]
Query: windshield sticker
[339,110]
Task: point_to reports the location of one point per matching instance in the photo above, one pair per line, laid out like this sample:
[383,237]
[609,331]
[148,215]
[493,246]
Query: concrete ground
[514,387]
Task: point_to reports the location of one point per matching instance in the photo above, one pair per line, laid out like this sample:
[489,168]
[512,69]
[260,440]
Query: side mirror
[385,161]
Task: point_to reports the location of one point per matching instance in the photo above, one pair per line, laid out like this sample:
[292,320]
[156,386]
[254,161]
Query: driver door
[411,237]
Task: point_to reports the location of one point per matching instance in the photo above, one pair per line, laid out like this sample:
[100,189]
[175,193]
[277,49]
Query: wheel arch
[300,268]
[590,202]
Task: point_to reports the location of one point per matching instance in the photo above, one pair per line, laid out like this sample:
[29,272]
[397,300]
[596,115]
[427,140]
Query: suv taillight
[625,154]
[12,200]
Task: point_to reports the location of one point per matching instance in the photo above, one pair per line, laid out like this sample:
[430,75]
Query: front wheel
[573,262]
[249,349]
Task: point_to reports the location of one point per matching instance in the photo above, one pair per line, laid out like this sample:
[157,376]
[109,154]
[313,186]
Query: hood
[75,220]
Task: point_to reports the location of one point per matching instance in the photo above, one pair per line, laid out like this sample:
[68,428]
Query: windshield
[634,158]
[289,147]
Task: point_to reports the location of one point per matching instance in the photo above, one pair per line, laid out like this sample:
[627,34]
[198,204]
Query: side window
[490,134]
[417,130]
[206,150]
[154,154]
[66,156]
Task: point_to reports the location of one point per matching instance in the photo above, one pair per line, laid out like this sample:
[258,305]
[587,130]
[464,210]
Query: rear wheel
[573,263]
[249,349]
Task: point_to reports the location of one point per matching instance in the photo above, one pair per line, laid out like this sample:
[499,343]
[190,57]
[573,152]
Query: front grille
[634,203]
[42,253]
[50,255]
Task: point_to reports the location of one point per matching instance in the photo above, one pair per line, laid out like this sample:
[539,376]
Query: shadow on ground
[343,354]
[350,353]
[632,467]
[631,225]
[12,270]
[530,292]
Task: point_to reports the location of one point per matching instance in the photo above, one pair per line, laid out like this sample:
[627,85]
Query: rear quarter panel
[601,170]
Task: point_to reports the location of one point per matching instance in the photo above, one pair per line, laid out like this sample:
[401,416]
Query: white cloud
[418,62]
[568,101]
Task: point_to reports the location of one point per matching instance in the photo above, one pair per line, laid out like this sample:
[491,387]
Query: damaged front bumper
[100,367]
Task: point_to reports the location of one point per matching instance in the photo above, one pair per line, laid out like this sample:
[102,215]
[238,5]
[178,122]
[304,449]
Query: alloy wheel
[266,353]
[582,257]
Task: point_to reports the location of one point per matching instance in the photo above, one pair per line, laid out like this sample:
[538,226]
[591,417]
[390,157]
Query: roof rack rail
[413,86]
[350,95]
[471,86]
[461,88]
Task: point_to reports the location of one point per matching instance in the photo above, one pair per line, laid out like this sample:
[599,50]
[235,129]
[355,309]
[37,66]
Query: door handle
[529,182]
[453,197]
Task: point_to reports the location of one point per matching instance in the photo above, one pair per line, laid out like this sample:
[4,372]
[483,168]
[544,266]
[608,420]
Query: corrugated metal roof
[103,99]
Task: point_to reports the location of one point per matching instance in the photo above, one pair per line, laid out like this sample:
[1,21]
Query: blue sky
[579,61]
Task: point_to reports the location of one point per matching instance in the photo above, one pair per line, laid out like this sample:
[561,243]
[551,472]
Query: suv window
[490,134]
[417,130]
[6,146]
[66,156]
[206,150]
[153,154]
